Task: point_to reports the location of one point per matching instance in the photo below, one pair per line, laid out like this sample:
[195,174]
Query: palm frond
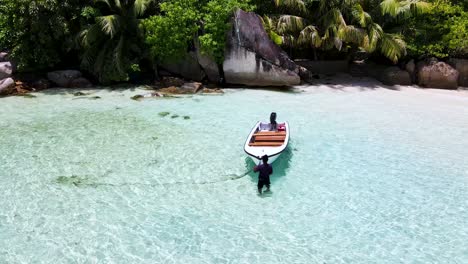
[351,34]
[140,6]
[270,27]
[392,47]
[328,39]
[105,2]
[362,17]
[298,5]
[118,4]
[374,34]
[109,24]
[289,41]
[291,24]
[404,9]
[268,23]
[420,7]
[333,17]
[390,7]
[90,35]
[310,35]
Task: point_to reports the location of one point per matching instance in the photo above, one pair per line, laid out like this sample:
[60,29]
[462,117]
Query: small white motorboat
[263,141]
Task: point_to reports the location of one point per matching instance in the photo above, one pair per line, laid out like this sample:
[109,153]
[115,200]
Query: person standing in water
[265,170]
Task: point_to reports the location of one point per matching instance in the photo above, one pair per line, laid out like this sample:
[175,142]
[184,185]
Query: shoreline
[338,82]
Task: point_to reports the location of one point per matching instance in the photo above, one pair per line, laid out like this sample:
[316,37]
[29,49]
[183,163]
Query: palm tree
[113,39]
[340,24]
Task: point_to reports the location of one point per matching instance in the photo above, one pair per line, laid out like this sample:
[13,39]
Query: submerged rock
[77,181]
[149,95]
[137,97]
[80,94]
[163,114]
[89,98]
[251,58]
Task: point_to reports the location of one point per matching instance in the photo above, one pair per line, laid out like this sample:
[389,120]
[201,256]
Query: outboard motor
[274,125]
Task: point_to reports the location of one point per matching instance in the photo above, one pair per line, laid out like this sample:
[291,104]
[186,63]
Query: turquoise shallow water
[371,176]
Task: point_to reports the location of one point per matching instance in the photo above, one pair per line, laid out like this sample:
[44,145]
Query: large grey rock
[6,69]
[80,83]
[171,81]
[437,74]
[462,67]
[306,75]
[410,67]
[208,64]
[192,87]
[3,56]
[186,67]
[63,78]
[395,76]
[7,86]
[251,58]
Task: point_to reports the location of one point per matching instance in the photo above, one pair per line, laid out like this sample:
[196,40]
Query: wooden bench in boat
[270,138]
[266,144]
[270,133]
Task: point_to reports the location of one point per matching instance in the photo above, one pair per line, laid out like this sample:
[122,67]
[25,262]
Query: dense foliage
[171,34]
[112,42]
[442,32]
[344,25]
[110,38]
[39,34]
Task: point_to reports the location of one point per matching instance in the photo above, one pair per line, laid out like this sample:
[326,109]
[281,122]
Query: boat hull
[270,159]
[273,152]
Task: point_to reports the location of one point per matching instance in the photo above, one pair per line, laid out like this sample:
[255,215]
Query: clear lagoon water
[371,176]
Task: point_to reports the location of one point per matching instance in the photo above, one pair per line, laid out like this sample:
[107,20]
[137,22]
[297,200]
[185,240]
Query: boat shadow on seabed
[280,166]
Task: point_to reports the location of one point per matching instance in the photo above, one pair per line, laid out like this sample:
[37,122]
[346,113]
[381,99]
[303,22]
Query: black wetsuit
[264,177]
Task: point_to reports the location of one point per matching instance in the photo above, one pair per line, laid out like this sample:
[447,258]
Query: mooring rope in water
[82,182]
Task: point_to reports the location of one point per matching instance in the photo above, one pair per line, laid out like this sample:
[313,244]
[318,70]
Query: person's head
[265,159]
[273,118]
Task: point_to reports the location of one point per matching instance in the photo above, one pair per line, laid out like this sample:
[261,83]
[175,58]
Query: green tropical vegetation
[40,34]
[110,39]
[442,32]
[171,33]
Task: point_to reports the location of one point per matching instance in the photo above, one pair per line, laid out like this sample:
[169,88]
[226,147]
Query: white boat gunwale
[277,149]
